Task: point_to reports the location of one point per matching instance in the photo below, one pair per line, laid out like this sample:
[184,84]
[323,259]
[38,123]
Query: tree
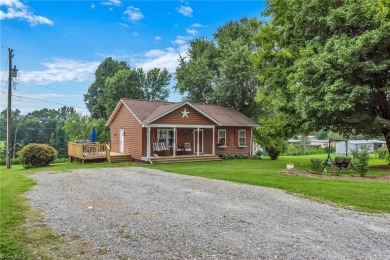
[331,59]
[196,74]
[153,83]
[115,80]
[76,127]
[135,84]
[93,98]
[220,71]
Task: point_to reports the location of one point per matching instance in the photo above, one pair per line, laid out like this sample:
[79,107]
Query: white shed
[356,145]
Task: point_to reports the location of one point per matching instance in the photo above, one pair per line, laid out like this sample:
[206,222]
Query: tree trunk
[387,139]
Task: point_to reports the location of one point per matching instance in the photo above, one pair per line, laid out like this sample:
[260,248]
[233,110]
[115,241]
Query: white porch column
[174,145]
[148,142]
[197,145]
[251,143]
[214,140]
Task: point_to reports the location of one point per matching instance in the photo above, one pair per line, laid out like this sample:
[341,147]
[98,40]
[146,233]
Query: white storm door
[121,140]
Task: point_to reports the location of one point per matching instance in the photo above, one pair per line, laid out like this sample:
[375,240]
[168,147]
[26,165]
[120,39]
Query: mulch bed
[341,177]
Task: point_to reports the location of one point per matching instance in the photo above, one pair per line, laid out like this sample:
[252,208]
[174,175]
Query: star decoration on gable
[185,113]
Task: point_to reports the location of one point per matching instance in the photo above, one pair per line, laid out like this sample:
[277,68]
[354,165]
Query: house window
[222,137]
[242,138]
[165,136]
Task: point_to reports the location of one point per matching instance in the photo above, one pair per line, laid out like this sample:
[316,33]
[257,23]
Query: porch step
[183,159]
[121,158]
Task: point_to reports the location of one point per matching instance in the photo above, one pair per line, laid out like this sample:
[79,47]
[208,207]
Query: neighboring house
[345,147]
[320,143]
[145,129]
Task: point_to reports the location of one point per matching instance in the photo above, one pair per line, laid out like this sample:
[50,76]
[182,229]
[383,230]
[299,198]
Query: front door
[122,140]
[200,141]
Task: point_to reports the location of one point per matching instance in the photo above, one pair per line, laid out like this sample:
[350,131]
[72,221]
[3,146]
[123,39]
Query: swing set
[339,162]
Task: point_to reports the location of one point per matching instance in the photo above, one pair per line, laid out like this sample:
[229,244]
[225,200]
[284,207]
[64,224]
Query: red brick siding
[232,141]
[133,133]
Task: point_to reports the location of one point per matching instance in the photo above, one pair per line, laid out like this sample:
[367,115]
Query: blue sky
[59,44]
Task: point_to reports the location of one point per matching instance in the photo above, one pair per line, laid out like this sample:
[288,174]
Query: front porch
[178,141]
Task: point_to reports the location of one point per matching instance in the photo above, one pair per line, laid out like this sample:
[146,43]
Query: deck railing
[88,151]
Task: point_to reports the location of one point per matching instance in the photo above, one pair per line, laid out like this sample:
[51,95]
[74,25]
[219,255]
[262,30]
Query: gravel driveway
[140,213]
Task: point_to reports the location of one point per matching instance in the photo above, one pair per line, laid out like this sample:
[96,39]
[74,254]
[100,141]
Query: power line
[45,101]
[67,92]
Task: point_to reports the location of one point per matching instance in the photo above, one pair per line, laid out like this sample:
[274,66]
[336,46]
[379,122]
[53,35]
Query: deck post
[197,143]
[174,142]
[213,140]
[148,143]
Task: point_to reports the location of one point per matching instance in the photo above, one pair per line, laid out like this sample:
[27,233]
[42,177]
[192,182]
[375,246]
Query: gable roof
[146,112]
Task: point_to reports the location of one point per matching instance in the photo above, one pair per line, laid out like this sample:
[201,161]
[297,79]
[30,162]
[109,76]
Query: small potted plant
[290,166]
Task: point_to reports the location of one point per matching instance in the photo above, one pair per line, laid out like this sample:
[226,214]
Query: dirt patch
[341,177]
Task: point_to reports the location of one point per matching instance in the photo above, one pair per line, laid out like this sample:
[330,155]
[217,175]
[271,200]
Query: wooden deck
[94,151]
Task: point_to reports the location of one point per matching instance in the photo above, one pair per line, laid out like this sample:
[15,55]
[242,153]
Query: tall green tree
[93,99]
[136,84]
[220,71]
[196,73]
[331,59]
[115,80]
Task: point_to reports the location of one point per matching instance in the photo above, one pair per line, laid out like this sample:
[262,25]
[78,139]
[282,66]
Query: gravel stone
[139,213]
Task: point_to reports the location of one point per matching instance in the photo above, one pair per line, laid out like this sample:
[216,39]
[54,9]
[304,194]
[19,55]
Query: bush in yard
[360,161]
[273,151]
[316,164]
[259,153]
[293,150]
[382,153]
[37,155]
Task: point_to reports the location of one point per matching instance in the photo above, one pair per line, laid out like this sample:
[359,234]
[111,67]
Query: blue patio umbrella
[93,137]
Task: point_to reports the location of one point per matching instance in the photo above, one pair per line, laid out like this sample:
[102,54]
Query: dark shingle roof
[226,115]
[148,111]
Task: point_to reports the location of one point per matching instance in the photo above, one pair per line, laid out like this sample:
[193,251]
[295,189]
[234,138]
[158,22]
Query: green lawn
[19,242]
[370,196]
[16,241]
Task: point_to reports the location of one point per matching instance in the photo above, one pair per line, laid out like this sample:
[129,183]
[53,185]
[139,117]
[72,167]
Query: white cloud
[133,13]
[157,38]
[112,2]
[154,53]
[14,9]
[61,70]
[197,25]
[167,58]
[135,34]
[181,40]
[123,25]
[111,9]
[192,31]
[93,6]
[185,10]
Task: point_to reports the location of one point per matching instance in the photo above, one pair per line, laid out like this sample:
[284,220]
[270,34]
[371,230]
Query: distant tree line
[49,126]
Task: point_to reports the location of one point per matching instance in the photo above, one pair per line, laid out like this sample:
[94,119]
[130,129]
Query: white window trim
[219,137]
[167,136]
[240,131]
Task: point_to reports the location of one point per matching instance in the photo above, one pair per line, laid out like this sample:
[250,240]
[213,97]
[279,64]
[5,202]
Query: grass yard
[362,195]
[36,240]
[16,240]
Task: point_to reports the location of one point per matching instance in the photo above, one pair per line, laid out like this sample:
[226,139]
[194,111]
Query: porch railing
[88,151]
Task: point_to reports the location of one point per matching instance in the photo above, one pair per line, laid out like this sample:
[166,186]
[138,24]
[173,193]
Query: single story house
[146,129]
[345,147]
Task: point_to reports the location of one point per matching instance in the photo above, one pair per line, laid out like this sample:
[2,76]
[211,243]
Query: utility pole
[9,115]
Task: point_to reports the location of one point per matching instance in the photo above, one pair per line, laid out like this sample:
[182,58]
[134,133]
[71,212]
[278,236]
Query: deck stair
[121,158]
[184,158]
